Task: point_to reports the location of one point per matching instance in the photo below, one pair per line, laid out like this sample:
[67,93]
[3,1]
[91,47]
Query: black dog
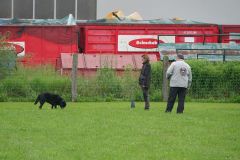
[53,99]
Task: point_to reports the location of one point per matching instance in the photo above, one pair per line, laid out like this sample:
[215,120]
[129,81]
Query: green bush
[107,83]
[7,57]
[157,75]
[212,82]
[26,83]
[216,80]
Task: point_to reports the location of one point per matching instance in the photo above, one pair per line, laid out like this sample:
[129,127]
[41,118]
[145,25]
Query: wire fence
[212,81]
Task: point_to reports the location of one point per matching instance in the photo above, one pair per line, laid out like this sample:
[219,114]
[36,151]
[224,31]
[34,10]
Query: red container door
[100,40]
[234,30]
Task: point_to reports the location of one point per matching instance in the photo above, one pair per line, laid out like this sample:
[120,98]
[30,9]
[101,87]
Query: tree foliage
[7,56]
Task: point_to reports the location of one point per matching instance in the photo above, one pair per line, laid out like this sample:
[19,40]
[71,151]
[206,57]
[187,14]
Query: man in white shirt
[180,75]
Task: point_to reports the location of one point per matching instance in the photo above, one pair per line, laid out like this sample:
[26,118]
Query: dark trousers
[174,91]
[146,97]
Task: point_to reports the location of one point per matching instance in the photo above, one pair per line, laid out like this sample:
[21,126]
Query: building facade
[48,9]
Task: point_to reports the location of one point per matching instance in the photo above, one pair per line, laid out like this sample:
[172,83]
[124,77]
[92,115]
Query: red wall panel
[43,44]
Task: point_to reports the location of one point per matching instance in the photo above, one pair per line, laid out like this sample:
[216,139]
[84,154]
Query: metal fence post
[74,77]
[224,55]
[165,80]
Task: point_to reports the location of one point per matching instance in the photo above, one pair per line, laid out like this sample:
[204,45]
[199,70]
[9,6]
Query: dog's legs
[37,100]
[52,106]
[41,103]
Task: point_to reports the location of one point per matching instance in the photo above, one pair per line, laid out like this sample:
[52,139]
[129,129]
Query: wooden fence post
[165,80]
[74,77]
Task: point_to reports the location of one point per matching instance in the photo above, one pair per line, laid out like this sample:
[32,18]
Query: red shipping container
[41,44]
[139,38]
[44,44]
[230,29]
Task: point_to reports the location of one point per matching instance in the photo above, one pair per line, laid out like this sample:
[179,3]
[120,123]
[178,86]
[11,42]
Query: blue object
[132,104]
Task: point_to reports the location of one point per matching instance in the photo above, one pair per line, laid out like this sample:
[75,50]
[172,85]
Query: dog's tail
[37,100]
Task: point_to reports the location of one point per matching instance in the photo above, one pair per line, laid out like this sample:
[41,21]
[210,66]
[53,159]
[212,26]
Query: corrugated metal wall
[48,9]
[5,8]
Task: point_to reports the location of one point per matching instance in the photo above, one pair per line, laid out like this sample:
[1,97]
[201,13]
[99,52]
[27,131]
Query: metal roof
[69,20]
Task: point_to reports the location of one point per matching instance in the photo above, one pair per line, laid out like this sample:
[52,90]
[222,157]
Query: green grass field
[112,131]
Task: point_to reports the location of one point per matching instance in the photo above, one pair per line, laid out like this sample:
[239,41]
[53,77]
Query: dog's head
[63,104]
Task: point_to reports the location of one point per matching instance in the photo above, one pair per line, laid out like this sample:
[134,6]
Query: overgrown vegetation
[212,81]
[7,57]
[215,81]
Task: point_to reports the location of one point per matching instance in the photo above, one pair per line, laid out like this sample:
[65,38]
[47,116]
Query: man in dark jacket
[144,80]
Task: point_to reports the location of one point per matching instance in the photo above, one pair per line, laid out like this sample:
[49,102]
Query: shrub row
[212,81]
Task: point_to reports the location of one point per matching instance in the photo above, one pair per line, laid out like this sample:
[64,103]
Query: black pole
[224,55]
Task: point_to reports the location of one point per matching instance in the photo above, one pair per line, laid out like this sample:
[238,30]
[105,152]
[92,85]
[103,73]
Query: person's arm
[170,71]
[147,73]
[189,78]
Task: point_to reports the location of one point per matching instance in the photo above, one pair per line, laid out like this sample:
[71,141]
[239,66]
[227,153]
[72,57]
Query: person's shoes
[179,112]
[146,108]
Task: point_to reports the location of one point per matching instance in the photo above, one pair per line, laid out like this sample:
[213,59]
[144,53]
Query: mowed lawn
[113,131]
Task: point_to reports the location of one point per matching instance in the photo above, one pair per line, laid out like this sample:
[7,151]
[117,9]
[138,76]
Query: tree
[7,56]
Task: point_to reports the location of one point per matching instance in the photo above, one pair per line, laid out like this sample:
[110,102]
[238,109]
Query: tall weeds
[212,81]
